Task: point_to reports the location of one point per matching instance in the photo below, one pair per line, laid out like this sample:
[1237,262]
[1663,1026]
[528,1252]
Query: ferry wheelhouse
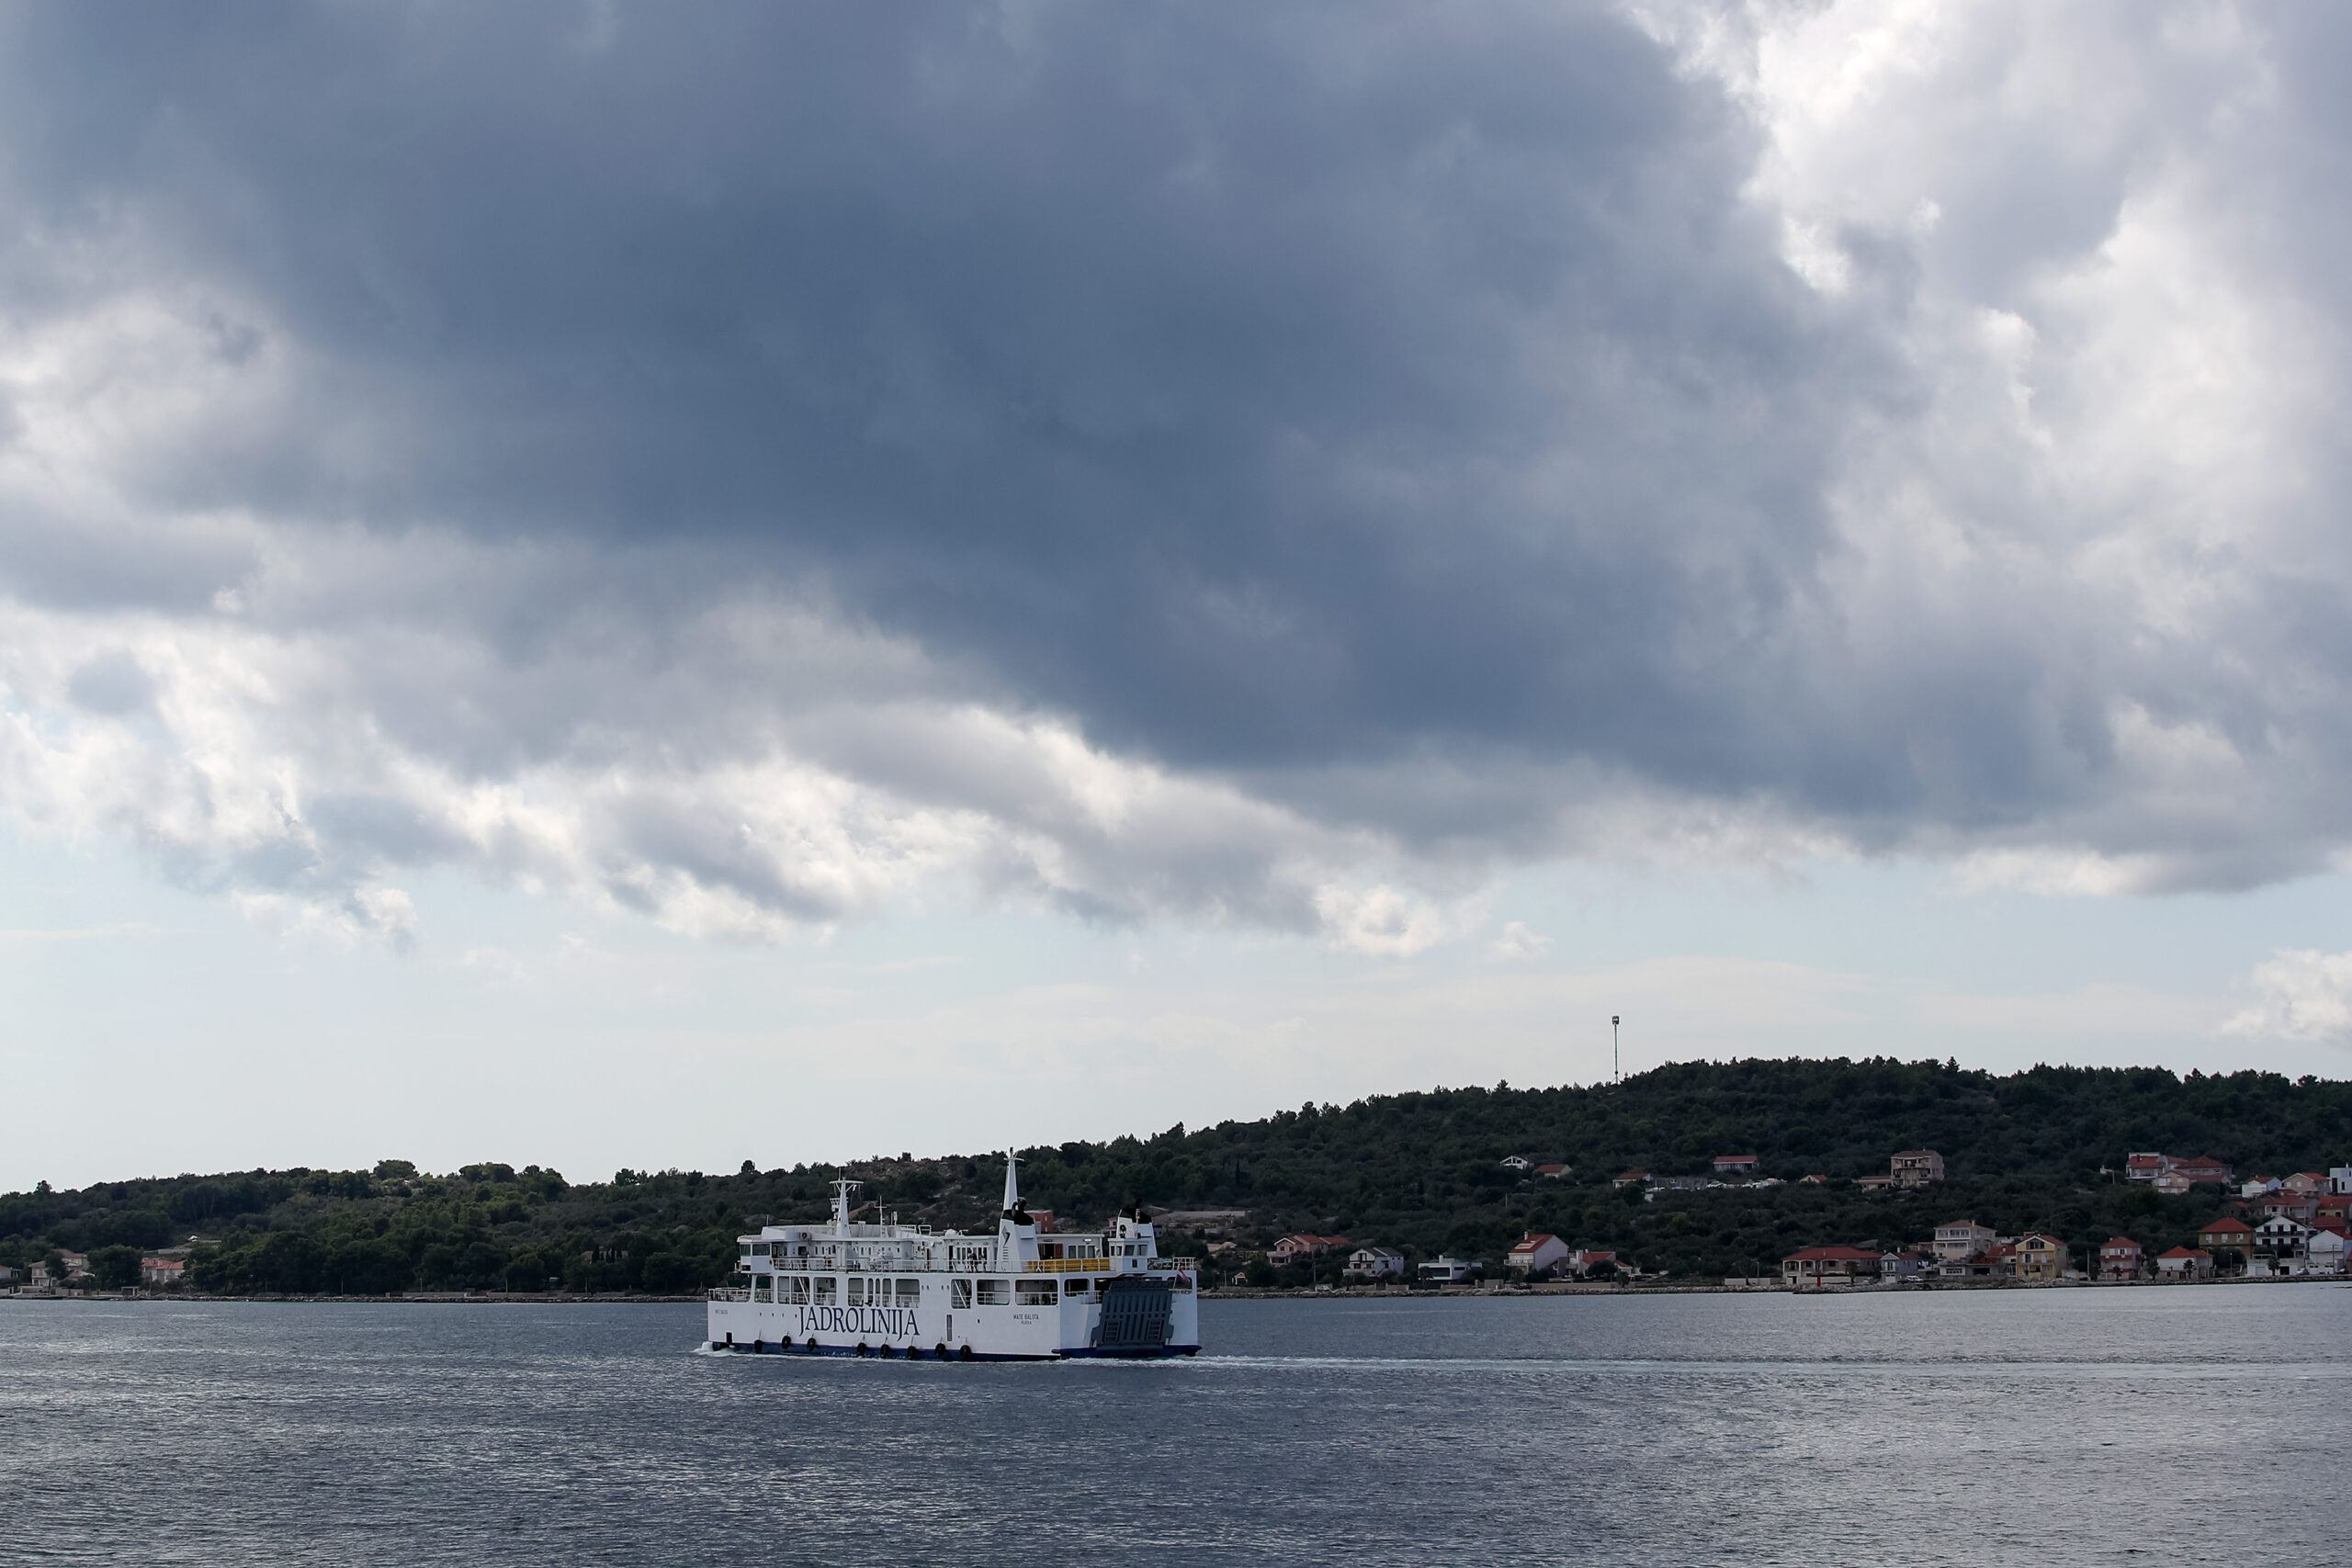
[848,1288]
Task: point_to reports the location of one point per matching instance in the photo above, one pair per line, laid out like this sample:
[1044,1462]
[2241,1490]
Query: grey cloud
[114,684]
[1406,422]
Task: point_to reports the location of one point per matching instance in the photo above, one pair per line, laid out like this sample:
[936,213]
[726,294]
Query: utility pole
[1616,1067]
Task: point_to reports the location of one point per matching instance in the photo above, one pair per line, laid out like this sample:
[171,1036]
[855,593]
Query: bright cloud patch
[2302,994]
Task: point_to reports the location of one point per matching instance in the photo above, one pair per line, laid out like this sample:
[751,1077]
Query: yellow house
[2042,1258]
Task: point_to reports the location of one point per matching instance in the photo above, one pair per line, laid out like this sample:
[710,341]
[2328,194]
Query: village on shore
[2297,1227]
[2290,1227]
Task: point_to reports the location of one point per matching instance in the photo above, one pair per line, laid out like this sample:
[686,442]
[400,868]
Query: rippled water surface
[2007,1426]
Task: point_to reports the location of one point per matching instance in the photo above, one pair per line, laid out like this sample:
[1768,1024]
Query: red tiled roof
[2218,1226]
[1826,1254]
[1533,1242]
[2185,1252]
[2119,1241]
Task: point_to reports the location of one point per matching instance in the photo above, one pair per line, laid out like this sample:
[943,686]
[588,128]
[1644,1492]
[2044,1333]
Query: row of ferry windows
[1114,1249]
[823,1290]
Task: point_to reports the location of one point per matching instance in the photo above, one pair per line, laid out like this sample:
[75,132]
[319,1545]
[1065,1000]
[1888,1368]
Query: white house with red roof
[1536,1253]
[1737,1164]
[2324,1248]
[2185,1263]
[2280,1243]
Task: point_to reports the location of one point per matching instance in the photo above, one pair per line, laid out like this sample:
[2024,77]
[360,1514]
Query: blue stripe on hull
[1159,1353]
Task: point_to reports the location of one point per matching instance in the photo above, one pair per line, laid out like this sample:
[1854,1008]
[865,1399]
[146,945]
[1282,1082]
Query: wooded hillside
[1420,1171]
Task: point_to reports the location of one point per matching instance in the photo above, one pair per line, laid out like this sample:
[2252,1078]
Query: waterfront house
[2120,1257]
[2041,1257]
[1818,1266]
[161,1273]
[1298,1249]
[2279,1242]
[1916,1167]
[2324,1250]
[77,1264]
[1737,1165]
[1534,1254]
[1447,1270]
[1376,1263]
[2185,1263]
[2226,1232]
[1962,1239]
[1585,1260]
[1901,1264]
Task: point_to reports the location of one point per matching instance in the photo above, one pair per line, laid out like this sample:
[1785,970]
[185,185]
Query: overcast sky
[619,584]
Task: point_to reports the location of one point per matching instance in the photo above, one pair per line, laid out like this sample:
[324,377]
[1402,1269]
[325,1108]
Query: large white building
[1961,1240]
[1536,1253]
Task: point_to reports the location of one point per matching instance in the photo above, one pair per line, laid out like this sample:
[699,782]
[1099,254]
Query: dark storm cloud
[1193,374]
[1406,416]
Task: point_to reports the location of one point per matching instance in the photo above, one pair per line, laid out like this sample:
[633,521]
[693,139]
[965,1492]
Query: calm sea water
[2040,1426]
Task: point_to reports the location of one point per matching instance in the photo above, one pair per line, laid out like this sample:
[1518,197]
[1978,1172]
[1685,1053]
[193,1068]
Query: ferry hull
[915,1353]
[1065,1330]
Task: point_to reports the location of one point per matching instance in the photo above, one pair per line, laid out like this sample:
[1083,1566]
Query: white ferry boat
[884,1289]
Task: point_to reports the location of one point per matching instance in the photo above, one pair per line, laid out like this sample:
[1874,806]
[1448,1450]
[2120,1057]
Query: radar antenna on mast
[1013,1210]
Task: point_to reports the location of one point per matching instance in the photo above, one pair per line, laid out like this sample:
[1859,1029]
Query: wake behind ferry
[884,1289]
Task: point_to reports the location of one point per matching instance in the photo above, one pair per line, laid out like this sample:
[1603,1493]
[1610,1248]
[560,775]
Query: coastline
[1233,1292]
